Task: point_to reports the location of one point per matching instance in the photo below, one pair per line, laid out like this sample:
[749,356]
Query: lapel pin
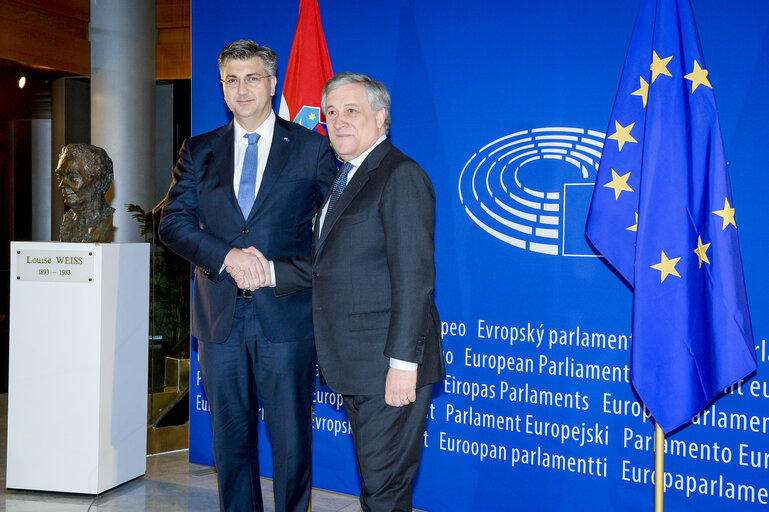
[286,139]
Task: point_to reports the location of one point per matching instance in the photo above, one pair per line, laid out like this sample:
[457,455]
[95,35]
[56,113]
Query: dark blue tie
[248,175]
[339,183]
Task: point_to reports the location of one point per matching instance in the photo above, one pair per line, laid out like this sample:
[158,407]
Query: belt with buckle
[246,294]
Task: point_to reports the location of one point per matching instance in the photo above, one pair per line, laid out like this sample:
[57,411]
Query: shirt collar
[265,129]
[360,158]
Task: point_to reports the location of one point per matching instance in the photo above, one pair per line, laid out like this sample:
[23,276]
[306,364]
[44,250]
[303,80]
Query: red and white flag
[309,68]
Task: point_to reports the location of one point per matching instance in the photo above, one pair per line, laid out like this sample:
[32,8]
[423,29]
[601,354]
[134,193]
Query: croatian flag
[309,68]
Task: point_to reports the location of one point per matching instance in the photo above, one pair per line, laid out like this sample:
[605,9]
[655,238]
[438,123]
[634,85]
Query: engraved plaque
[54,266]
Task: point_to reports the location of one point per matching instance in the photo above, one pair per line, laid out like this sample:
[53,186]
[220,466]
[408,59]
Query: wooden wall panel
[78,9]
[172,57]
[37,34]
[172,13]
[53,35]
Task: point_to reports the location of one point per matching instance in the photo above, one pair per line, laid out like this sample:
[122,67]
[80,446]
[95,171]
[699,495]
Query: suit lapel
[276,162]
[358,181]
[222,154]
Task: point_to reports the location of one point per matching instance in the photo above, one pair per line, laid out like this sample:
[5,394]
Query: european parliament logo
[532,189]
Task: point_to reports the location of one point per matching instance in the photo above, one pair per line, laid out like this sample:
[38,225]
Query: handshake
[249,268]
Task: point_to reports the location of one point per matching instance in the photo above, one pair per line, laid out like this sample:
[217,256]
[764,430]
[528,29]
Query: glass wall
[169,340]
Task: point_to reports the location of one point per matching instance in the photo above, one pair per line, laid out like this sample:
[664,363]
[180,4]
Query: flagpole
[659,469]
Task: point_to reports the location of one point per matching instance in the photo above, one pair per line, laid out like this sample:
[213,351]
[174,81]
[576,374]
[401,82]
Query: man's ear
[380,116]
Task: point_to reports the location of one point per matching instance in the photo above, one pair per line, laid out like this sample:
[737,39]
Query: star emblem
[698,77]
[634,227]
[659,66]
[702,251]
[727,214]
[643,91]
[666,267]
[618,183]
[622,134]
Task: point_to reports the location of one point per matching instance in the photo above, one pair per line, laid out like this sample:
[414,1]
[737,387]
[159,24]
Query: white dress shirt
[263,145]
[265,131]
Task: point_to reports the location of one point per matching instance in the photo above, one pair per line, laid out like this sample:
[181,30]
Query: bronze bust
[85,174]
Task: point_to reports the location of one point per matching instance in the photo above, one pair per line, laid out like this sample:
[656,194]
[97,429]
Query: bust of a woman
[85,174]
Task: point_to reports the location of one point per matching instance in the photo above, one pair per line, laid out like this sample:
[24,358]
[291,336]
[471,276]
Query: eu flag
[662,215]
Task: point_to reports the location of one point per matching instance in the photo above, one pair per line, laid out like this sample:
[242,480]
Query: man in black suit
[257,181]
[372,273]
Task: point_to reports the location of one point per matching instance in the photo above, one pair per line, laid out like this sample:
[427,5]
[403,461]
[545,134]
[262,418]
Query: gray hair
[244,49]
[376,92]
[96,163]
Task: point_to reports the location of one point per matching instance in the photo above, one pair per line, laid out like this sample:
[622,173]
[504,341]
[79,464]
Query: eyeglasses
[232,82]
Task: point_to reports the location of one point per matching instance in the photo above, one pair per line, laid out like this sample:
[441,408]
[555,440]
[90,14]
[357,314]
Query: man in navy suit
[233,190]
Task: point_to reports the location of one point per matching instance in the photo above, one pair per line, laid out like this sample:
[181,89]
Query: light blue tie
[248,175]
[339,183]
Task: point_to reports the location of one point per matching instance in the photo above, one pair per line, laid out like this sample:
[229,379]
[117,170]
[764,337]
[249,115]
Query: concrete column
[41,179]
[165,151]
[123,39]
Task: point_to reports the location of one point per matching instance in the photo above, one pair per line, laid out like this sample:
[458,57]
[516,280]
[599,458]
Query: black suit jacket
[201,221]
[372,274]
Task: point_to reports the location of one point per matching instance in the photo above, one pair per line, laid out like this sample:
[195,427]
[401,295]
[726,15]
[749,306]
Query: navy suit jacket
[202,222]
[372,275]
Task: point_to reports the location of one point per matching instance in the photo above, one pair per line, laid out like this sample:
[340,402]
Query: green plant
[169,288]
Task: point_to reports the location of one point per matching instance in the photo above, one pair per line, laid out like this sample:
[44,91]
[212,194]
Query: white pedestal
[77,384]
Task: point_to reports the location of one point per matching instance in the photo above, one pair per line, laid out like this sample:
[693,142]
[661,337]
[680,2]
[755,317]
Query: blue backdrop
[537,412]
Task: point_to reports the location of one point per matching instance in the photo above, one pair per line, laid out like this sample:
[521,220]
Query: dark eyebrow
[248,75]
[344,106]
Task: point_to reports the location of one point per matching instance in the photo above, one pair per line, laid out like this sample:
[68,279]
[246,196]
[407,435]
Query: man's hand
[265,264]
[238,275]
[400,387]
[247,268]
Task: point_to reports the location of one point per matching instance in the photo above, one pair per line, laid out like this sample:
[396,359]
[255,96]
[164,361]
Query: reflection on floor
[171,485]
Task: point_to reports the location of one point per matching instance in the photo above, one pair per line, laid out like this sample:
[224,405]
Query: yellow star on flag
[634,227]
[618,183]
[659,66]
[702,251]
[727,214]
[312,117]
[622,135]
[643,91]
[698,77]
[666,267]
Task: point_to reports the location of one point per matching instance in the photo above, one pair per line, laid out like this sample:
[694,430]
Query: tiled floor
[171,485]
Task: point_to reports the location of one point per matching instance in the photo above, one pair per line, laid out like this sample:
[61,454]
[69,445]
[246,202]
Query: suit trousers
[238,375]
[388,444]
